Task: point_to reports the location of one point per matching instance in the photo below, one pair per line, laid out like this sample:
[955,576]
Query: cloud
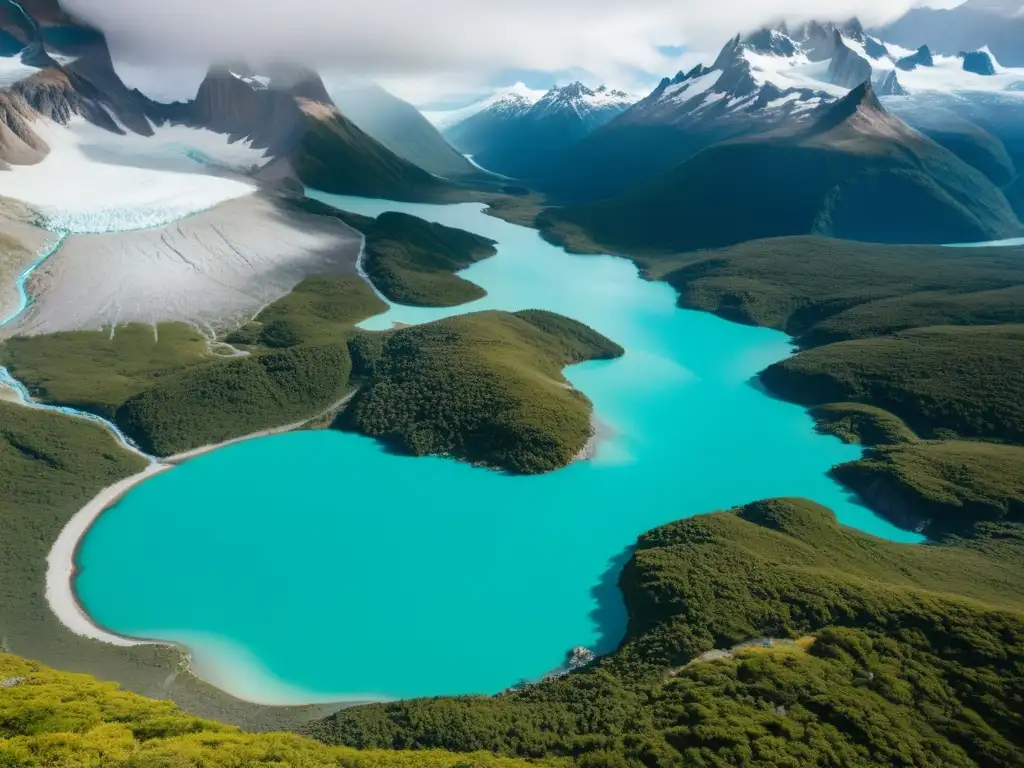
[404,40]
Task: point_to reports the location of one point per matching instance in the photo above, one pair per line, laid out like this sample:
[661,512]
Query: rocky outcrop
[889,500]
[87,86]
[889,85]
[267,116]
[978,62]
[19,144]
[847,68]
[922,57]
[875,49]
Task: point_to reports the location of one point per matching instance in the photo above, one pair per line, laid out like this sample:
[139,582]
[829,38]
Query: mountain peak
[729,54]
[847,67]
[889,85]
[978,62]
[852,28]
[922,57]
[862,97]
[772,41]
[573,90]
[860,100]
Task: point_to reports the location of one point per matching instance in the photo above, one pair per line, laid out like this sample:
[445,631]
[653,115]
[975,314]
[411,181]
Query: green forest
[413,262]
[486,387]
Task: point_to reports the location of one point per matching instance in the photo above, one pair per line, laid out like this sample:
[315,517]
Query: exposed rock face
[819,41]
[978,62]
[87,86]
[771,41]
[269,116]
[889,85]
[19,145]
[579,657]
[921,58]
[278,112]
[875,49]
[847,68]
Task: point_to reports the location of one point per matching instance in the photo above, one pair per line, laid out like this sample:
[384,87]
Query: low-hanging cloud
[401,38]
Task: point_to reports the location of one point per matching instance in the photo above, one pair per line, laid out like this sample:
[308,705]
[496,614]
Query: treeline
[941,381]
[941,488]
[167,391]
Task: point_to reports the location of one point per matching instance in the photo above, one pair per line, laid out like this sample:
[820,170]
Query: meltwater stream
[21,393]
[317,566]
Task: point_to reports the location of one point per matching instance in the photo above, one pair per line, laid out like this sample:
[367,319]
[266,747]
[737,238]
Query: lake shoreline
[63,600]
[62,568]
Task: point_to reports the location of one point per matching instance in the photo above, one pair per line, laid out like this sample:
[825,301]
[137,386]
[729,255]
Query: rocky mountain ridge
[851,170]
[770,78]
[285,111]
[517,136]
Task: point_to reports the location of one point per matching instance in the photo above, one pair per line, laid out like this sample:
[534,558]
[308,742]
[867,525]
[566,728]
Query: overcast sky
[429,49]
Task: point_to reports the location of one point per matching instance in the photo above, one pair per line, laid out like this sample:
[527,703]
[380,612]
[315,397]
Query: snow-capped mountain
[519,134]
[593,107]
[850,170]
[62,104]
[514,99]
[770,78]
[772,73]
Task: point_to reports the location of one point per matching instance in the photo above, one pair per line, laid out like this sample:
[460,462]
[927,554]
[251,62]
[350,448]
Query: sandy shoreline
[60,562]
[599,432]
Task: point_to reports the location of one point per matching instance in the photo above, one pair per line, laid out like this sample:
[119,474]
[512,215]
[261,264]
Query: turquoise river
[316,566]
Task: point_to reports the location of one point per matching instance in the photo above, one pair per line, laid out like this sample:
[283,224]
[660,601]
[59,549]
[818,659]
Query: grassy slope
[107,370]
[413,262]
[50,466]
[864,424]
[224,400]
[169,395]
[485,387]
[910,666]
[335,156]
[319,310]
[50,718]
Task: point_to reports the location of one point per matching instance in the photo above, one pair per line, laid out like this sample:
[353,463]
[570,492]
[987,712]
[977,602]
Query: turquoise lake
[316,566]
